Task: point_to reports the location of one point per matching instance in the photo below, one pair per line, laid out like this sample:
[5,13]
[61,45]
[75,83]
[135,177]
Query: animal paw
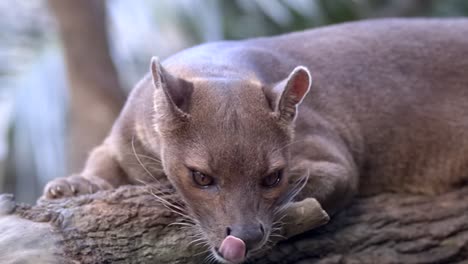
[69,186]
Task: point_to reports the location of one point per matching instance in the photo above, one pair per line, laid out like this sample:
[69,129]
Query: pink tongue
[233,249]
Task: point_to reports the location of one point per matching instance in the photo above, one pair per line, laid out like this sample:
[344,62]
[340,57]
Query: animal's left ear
[292,91]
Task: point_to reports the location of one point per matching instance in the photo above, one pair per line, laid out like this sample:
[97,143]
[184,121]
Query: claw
[65,187]
[52,192]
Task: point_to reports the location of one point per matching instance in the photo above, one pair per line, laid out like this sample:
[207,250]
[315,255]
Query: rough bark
[95,93]
[129,225]
[388,228]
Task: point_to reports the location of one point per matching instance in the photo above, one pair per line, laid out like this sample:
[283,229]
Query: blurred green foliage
[246,18]
[33,89]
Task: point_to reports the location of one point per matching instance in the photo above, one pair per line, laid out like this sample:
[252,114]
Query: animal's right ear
[172,96]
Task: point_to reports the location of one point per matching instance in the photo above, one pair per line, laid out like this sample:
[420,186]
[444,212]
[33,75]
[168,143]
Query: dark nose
[252,235]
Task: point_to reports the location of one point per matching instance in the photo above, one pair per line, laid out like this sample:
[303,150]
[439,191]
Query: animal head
[225,147]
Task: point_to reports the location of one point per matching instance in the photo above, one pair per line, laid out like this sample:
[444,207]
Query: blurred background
[66,66]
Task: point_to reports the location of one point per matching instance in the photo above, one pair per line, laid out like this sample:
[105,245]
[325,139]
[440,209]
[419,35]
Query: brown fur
[387,111]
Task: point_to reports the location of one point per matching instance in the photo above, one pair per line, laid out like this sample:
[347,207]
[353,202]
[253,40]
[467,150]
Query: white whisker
[141,163]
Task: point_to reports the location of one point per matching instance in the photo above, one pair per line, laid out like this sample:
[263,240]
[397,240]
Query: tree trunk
[95,92]
[130,225]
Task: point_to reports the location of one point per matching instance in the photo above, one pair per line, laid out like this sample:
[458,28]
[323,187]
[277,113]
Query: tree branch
[129,225]
[96,96]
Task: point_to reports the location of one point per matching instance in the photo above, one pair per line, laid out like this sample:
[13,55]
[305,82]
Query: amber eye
[202,179]
[273,179]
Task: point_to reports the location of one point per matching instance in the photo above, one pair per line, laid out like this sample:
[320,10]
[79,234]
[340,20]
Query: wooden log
[129,225]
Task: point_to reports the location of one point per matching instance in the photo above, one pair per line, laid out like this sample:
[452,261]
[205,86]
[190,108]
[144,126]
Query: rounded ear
[293,90]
